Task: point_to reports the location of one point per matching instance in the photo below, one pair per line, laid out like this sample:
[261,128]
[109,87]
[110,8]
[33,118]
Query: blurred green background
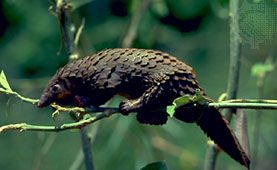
[195,31]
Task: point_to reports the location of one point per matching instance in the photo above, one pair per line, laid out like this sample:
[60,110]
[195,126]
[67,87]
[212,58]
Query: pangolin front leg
[135,105]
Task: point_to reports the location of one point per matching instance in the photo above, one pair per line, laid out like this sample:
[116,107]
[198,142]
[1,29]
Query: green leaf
[180,101]
[199,98]
[170,110]
[155,166]
[260,69]
[186,99]
[3,81]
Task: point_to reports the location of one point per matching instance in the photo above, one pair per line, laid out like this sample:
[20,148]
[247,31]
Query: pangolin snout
[44,101]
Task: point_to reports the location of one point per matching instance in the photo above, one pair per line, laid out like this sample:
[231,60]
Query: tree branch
[71,38]
[76,125]
[132,30]
[233,79]
[68,29]
[106,112]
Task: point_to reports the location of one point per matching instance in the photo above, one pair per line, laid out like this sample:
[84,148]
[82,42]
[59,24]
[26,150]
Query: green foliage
[155,166]
[160,8]
[260,69]
[4,83]
[186,99]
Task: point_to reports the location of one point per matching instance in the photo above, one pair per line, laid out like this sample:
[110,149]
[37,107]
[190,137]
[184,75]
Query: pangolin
[150,80]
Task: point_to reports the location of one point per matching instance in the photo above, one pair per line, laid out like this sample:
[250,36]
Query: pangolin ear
[67,84]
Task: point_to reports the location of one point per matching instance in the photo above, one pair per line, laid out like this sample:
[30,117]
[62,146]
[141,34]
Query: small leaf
[170,110]
[4,82]
[180,101]
[155,166]
[259,69]
[186,99]
[199,98]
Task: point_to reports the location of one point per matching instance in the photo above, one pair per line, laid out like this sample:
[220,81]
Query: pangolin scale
[150,80]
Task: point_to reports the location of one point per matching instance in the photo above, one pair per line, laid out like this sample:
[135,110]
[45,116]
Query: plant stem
[76,125]
[106,112]
[79,159]
[68,29]
[70,39]
[234,68]
[212,152]
[244,105]
[134,24]
[235,45]
[86,147]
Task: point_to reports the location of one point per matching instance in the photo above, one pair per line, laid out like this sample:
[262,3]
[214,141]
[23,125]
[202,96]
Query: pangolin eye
[56,88]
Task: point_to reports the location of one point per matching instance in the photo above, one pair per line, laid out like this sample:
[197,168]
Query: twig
[24,99]
[86,148]
[71,39]
[257,119]
[235,45]
[79,159]
[212,152]
[132,30]
[244,105]
[68,29]
[233,79]
[76,125]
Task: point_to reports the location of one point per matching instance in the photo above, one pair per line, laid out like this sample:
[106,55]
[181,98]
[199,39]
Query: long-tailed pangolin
[150,80]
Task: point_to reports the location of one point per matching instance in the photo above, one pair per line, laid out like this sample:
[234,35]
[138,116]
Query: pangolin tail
[217,128]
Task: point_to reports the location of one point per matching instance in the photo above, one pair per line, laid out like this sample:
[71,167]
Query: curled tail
[216,127]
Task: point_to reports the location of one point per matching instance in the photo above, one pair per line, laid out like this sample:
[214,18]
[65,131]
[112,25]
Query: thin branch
[212,152]
[234,69]
[68,29]
[257,119]
[79,159]
[255,106]
[86,148]
[24,99]
[106,112]
[76,125]
[251,101]
[71,38]
[235,45]
[132,30]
